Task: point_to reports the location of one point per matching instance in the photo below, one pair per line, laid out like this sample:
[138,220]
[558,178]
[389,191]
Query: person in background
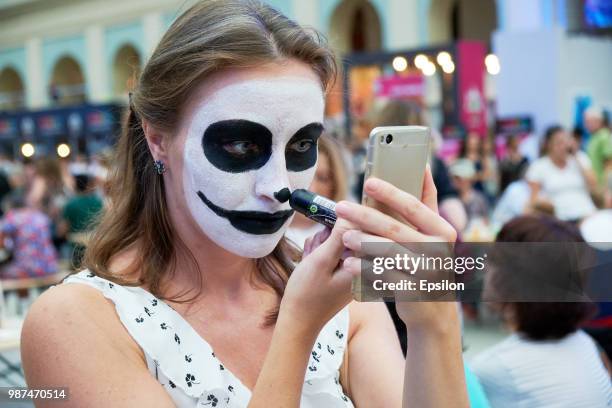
[26,232]
[490,169]
[330,181]
[561,178]
[359,146]
[46,186]
[471,149]
[547,360]
[5,187]
[79,165]
[599,147]
[48,191]
[512,166]
[78,217]
[475,203]
[512,203]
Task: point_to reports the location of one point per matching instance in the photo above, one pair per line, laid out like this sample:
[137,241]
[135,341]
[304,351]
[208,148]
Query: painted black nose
[283,195]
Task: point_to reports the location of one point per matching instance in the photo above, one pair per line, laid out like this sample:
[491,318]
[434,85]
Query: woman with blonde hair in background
[193,296]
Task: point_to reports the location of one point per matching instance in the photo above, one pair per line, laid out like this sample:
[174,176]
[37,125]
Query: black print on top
[239,145]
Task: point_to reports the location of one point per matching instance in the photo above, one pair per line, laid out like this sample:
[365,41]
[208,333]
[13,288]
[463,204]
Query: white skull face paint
[247,141]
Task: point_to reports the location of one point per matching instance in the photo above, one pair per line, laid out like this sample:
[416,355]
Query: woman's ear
[157,140]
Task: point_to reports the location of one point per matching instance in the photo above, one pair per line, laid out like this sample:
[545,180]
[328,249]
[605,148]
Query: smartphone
[398,155]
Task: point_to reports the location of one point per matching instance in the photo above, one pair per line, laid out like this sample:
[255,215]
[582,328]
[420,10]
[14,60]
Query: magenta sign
[400,86]
[472,102]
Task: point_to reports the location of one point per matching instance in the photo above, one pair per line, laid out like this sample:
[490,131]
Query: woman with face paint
[192,296]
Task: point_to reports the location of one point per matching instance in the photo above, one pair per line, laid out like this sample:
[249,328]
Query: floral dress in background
[27,234]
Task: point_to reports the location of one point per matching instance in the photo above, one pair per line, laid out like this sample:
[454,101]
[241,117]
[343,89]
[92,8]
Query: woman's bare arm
[434,373]
[589,177]
[318,288]
[433,368]
[375,360]
[72,338]
[534,191]
[285,365]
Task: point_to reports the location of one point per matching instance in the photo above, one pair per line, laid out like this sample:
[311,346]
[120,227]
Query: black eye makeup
[237,145]
[301,150]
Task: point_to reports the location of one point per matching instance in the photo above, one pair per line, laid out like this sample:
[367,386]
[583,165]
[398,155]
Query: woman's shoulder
[67,298]
[74,312]
[72,337]
[71,300]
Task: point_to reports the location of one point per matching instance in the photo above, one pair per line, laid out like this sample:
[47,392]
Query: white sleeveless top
[186,366]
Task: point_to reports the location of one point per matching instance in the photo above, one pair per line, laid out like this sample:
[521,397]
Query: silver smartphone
[398,155]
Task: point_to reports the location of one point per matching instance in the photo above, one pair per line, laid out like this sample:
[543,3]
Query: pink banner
[472,102]
[400,87]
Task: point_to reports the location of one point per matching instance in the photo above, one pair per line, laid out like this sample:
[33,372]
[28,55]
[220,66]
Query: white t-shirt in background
[565,187]
[555,374]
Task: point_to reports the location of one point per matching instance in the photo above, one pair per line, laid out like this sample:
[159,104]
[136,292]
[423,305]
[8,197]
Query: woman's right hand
[320,285]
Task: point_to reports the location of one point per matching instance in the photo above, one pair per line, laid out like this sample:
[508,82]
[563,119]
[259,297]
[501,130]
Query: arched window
[67,85]
[355,26]
[451,20]
[126,68]
[11,89]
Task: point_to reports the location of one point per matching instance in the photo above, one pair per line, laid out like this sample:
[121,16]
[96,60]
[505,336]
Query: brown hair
[543,320]
[332,149]
[549,134]
[50,170]
[211,36]
[400,113]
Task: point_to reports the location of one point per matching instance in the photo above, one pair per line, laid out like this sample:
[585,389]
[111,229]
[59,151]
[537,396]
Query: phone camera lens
[389,139]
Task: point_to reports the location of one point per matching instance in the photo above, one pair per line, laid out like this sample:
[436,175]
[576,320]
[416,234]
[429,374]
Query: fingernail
[342,208]
[346,237]
[373,184]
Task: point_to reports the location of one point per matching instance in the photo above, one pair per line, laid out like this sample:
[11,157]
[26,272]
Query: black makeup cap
[283,195]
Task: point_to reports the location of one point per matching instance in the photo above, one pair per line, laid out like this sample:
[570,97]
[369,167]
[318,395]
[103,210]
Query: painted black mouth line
[252,222]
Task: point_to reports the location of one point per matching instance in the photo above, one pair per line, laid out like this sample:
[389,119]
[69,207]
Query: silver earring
[160,168]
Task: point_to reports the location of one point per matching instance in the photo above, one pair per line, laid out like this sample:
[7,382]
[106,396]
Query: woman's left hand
[375,226]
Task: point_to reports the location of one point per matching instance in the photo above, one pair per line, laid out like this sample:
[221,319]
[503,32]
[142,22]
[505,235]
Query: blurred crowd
[554,187]
[49,207]
[508,191]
